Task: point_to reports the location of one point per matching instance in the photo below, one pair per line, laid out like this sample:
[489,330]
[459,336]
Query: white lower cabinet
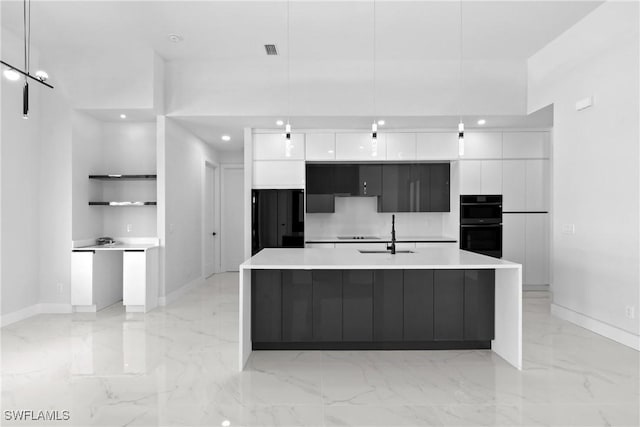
[140,280]
[526,241]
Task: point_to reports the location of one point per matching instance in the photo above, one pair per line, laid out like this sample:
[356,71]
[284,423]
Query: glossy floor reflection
[177,366]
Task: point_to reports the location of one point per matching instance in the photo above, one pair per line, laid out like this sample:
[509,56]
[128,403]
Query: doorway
[211,246]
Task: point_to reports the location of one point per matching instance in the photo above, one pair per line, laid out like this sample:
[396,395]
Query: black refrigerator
[277,219]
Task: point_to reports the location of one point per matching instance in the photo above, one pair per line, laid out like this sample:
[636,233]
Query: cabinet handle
[365,188]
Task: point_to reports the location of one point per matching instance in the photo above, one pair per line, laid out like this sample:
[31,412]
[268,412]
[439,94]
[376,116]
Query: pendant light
[287,128]
[460,124]
[13,73]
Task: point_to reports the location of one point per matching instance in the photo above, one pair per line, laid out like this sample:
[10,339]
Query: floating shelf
[119,177]
[123,203]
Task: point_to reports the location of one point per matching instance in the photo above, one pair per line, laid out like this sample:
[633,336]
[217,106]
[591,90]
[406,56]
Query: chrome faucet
[392,246]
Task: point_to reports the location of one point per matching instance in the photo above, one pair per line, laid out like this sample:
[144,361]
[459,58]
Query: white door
[232,218]
[210,232]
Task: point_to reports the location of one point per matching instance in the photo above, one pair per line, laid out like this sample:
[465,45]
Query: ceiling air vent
[271,49]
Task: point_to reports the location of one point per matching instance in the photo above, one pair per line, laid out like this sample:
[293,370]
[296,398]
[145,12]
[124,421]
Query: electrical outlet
[630,311]
[568,229]
[129,228]
[59,287]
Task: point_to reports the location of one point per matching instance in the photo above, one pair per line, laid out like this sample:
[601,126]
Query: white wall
[182,165]
[595,272]
[20,145]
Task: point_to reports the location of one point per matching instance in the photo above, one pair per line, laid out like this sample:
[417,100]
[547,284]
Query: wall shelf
[122,203]
[121,177]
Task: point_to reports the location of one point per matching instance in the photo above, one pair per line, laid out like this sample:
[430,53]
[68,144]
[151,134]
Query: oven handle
[480,225]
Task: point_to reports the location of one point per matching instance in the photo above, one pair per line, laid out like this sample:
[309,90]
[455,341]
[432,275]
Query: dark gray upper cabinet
[346,179]
[420,187]
[369,180]
[320,179]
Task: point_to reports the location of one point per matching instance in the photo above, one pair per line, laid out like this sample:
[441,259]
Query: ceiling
[511,29]
[210,129]
[407,33]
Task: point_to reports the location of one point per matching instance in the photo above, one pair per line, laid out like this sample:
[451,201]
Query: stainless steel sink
[365,251]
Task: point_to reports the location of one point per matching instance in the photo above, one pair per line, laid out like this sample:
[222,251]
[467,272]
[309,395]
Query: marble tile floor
[177,365]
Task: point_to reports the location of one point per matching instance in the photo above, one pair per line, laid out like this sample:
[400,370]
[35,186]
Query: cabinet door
[285,218]
[397,188]
[439,192]
[470,176]
[265,212]
[401,146]
[491,177]
[514,185]
[360,146]
[418,305]
[266,290]
[479,304]
[388,290]
[536,184]
[419,199]
[278,174]
[327,305]
[437,146]
[297,306]
[525,145]
[320,146]
[513,238]
[347,178]
[483,145]
[536,262]
[319,179]
[274,146]
[357,308]
[370,180]
[320,203]
[448,305]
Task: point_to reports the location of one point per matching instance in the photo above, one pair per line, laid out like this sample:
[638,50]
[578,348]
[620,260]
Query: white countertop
[117,247]
[423,258]
[381,239]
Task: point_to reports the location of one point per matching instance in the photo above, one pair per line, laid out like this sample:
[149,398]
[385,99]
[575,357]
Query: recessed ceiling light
[279,122]
[11,74]
[123,116]
[226,138]
[225,423]
[175,38]
[381,122]
[482,121]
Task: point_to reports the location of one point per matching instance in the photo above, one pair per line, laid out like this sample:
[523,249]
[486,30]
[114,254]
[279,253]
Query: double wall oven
[481,224]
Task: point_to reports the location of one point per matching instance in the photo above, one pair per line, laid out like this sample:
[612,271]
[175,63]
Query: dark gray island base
[414,309]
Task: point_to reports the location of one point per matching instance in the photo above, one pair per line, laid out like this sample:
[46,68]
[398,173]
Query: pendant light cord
[375,107]
[26,20]
[460,68]
[288,60]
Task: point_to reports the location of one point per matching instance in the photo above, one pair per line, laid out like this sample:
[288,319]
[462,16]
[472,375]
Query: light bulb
[481,122]
[226,138]
[42,75]
[279,122]
[11,74]
[461,138]
[123,116]
[460,127]
[374,130]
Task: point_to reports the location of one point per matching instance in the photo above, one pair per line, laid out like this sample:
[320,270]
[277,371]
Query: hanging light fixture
[374,125]
[460,124]
[13,73]
[287,128]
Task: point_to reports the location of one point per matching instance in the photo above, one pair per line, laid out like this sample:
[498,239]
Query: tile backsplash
[358,216]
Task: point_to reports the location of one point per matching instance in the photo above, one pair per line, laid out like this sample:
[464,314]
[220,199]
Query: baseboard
[173,296]
[612,332]
[33,310]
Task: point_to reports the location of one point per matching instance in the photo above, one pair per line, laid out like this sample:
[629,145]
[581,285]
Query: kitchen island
[427,298]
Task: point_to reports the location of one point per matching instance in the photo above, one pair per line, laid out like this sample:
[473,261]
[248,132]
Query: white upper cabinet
[525,145]
[437,146]
[470,176]
[537,185]
[278,174]
[491,177]
[482,145]
[525,185]
[320,146]
[401,146]
[360,146]
[514,185]
[274,146]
